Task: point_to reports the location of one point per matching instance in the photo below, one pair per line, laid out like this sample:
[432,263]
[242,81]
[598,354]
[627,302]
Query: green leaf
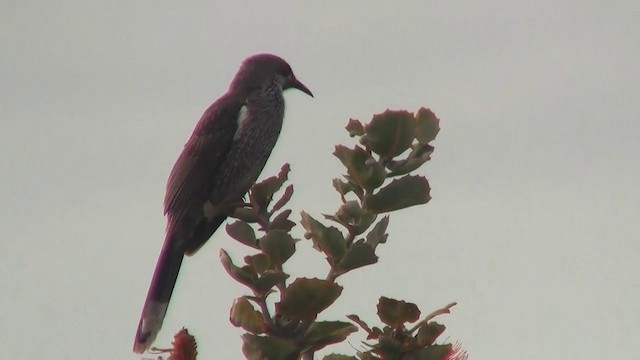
[391,133]
[329,240]
[323,333]
[256,347]
[428,333]
[242,232]
[278,245]
[355,128]
[268,280]
[363,223]
[397,312]
[288,192]
[419,154]
[244,315]
[246,214]
[399,194]
[282,222]
[244,275]
[258,262]
[379,233]
[361,167]
[345,187]
[428,125]
[358,255]
[306,298]
[349,212]
[342,187]
[262,192]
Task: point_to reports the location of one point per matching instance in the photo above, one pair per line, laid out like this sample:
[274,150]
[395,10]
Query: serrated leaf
[361,167]
[262,192]
[323,333]
[306,298]
[427,125]
[282,222]
[358,255]
[245,316]
[355,128]
[278,246]
[257,347]
[428,333]
[419,154]
[268,280]
[329,240]
[399,194]
[391,133]
[243,233]
[342,187]
[379,233]
[396,313]
[244,275]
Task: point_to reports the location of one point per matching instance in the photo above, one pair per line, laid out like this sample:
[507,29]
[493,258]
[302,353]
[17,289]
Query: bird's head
[262,71]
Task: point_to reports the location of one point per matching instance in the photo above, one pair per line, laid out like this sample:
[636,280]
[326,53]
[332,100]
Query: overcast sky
[534,224]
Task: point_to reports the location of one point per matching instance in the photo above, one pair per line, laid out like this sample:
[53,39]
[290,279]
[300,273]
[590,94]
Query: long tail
[158,296]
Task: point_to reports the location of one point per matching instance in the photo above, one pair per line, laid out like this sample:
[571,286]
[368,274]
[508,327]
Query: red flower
[457,353]
[184,347]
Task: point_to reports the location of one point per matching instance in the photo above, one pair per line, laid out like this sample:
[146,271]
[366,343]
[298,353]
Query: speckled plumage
[219,163]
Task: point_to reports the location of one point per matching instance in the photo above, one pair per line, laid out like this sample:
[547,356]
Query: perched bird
[221,161]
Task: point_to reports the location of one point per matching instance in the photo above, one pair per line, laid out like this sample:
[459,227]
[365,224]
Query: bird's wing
[190,183]
[195,170]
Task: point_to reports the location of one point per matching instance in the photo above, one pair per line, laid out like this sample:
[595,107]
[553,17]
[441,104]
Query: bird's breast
[255,138]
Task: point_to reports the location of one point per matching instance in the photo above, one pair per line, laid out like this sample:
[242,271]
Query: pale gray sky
[533,227]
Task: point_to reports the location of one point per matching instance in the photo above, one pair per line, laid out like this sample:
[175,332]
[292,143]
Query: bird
[222,159]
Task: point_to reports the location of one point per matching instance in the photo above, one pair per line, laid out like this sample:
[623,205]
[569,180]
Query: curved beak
[292,82]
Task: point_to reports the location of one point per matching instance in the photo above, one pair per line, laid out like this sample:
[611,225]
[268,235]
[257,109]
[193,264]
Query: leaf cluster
[396,340]
[377,181]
